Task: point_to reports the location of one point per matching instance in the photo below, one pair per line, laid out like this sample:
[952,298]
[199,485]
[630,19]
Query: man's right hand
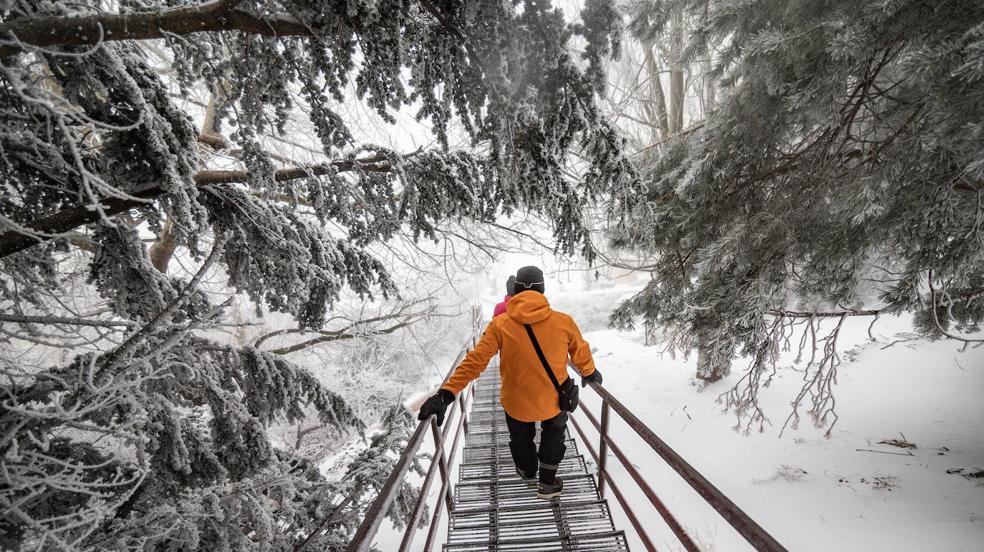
[436,405]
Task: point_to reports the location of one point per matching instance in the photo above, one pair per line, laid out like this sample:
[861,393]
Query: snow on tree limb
[90,30]
[839,167]
[70,218]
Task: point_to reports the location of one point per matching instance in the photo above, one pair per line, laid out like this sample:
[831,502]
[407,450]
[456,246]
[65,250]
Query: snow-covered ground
[846,492]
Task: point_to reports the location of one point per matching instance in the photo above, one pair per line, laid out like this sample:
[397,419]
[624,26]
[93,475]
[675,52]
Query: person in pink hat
[501,307]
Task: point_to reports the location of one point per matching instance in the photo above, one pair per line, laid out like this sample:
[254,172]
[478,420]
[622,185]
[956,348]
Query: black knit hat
[509,284]
[528,278]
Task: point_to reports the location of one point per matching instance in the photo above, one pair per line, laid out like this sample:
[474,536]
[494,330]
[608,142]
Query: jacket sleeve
[475,361]
[580,352]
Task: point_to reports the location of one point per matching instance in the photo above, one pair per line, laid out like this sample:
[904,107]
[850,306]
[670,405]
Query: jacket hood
[529,307]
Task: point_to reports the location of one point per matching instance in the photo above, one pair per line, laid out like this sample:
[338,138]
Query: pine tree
[845,146]
[145,433]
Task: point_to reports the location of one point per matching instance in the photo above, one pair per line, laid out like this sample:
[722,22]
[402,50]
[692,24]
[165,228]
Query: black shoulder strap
[543,359]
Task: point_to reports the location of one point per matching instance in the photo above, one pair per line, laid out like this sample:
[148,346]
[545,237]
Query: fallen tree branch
[886,452]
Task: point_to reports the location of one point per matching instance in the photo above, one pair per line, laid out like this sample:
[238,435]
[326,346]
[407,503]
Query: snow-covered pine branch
[839,169]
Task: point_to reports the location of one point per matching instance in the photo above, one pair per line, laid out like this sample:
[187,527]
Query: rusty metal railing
[456,417]
[742,523]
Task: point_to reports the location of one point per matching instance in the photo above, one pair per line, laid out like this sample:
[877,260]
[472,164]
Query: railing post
[446,481]
[626,509]
[745,525]
[418,509]
[603,448]
[362,540]
[464,412]
[671,521]
[442,462]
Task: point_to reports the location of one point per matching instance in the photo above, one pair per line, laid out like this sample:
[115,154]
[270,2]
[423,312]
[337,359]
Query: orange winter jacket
[527,393]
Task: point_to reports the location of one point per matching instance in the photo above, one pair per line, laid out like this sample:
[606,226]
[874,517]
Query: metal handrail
[758,537]
[362,541]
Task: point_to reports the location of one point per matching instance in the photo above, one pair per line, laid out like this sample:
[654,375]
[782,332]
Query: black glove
[436,405]
[594,376]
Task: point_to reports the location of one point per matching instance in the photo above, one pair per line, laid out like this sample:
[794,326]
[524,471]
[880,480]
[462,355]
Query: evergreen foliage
[845,149]
[151,435]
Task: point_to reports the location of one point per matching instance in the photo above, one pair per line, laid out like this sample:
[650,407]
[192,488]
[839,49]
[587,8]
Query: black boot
[550,485]
[546,491]
[530,480]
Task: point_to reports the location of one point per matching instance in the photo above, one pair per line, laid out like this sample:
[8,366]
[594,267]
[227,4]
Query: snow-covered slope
[847,492]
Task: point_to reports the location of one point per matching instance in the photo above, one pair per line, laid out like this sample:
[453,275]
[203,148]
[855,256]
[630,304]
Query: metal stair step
[557,520]
[613,541]
[513,492]
[504,468]
[494,425]
[499,448]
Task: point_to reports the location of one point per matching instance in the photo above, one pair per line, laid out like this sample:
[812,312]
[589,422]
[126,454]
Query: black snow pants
[552,447]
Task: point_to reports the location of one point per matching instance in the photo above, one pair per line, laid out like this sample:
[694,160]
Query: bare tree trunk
[301,433]
[658,98]
[647,105]
[218,97]
[676,69]
[710,98]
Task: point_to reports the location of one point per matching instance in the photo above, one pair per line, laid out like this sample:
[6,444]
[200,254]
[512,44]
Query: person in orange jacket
[527,394]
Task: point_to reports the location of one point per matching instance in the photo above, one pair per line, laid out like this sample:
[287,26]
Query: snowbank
[847,492]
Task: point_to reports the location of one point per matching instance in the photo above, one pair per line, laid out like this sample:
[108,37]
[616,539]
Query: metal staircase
[494,510]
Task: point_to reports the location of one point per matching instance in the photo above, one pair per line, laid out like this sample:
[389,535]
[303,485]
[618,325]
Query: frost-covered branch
[56,320]
[824,314]
[328,336]
[89,30]
[67,219]
[405,312]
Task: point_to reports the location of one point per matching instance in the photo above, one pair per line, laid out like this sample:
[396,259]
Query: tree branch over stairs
[72,217]
[91,30]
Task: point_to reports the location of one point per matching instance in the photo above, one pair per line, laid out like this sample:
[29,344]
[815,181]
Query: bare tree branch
[832,314]
[399,312]
[335,336]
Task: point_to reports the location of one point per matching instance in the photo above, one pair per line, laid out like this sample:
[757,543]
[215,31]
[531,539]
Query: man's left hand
[593,376]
